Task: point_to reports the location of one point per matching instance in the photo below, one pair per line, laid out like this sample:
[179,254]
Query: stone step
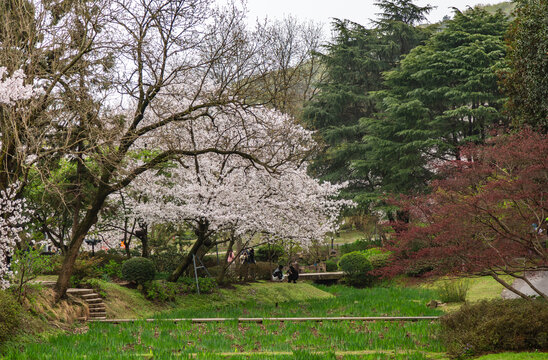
[79,291]
[96,305]
[95,300]
[99,318]
[96,310]
[96,315]
[91,295]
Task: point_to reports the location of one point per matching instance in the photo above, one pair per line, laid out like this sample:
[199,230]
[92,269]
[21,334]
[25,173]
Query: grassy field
[480,288]
[270,340]
[346,340]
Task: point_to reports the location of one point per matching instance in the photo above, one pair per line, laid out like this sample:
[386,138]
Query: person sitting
[278,274]
[293,274]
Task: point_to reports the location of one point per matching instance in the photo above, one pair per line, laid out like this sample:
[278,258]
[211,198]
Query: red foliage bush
[487,214]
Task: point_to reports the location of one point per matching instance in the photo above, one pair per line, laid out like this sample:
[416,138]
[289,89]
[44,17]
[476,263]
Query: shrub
[356,267]
[109,256]
[10,316]
[497,325]
[113,269]
[138,270]
[264,270]
[27,264]
[162,291]
[85,269]
[420,267]
[207,285]
[331,265]
[358,245]
[269,252]
[453,291]
[377,257]
[166,261]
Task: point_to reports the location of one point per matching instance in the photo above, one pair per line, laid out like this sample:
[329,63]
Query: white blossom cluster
[245,199]
[12,89]
[290,205]
[11,222]
[269,194]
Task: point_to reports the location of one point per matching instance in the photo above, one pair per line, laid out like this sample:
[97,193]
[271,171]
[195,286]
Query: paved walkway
[538,278]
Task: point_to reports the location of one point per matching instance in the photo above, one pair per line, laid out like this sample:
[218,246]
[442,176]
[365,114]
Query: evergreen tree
[355,61]
[443,95]
[526,79]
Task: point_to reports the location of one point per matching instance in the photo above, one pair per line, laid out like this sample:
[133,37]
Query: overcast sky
[359,11]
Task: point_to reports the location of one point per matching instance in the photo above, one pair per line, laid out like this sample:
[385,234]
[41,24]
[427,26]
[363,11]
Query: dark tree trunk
[127,249]
[77,238]
[142,234]
[225,265]
[201,243]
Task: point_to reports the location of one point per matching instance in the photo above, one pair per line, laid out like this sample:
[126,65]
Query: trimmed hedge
[496,326]
[331,265]
[10,315]
[358,245]
[356,267]
[138,270]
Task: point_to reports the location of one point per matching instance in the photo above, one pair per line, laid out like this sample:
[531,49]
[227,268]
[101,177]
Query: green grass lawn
[270,340]
[346,340]
[480,288]
[349,236]
[515,356]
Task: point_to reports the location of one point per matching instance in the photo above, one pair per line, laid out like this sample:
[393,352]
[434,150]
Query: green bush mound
[10,315]
[377,257]
[496,326]
[331,265]
[356,267]
[138,270]
[358,245]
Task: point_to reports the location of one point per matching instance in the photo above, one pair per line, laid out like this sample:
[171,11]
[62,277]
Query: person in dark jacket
[293,274]
[278,274]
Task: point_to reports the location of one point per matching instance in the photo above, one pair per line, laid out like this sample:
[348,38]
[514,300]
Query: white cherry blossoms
[12,220]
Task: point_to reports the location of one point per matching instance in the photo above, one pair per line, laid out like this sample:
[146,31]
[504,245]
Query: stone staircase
[97,309]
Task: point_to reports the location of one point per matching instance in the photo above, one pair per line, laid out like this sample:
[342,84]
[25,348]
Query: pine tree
[355,61]
[442,96]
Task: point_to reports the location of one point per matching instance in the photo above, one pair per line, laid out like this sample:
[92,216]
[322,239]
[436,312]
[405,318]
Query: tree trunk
[77,238]
[203,239]
[127,249]
[225,265]
[144,242]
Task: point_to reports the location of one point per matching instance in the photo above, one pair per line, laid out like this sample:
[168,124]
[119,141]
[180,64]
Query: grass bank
[124,303]
[270,340]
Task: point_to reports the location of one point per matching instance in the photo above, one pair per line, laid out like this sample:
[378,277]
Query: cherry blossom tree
[223,193]
[12,220]
[226,197]
[12,91]
[112,71]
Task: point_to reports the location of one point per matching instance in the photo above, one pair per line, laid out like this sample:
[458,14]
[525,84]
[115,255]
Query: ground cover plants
[277,340]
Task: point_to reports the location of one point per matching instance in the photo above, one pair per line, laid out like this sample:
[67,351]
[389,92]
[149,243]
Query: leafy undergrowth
[41,317]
